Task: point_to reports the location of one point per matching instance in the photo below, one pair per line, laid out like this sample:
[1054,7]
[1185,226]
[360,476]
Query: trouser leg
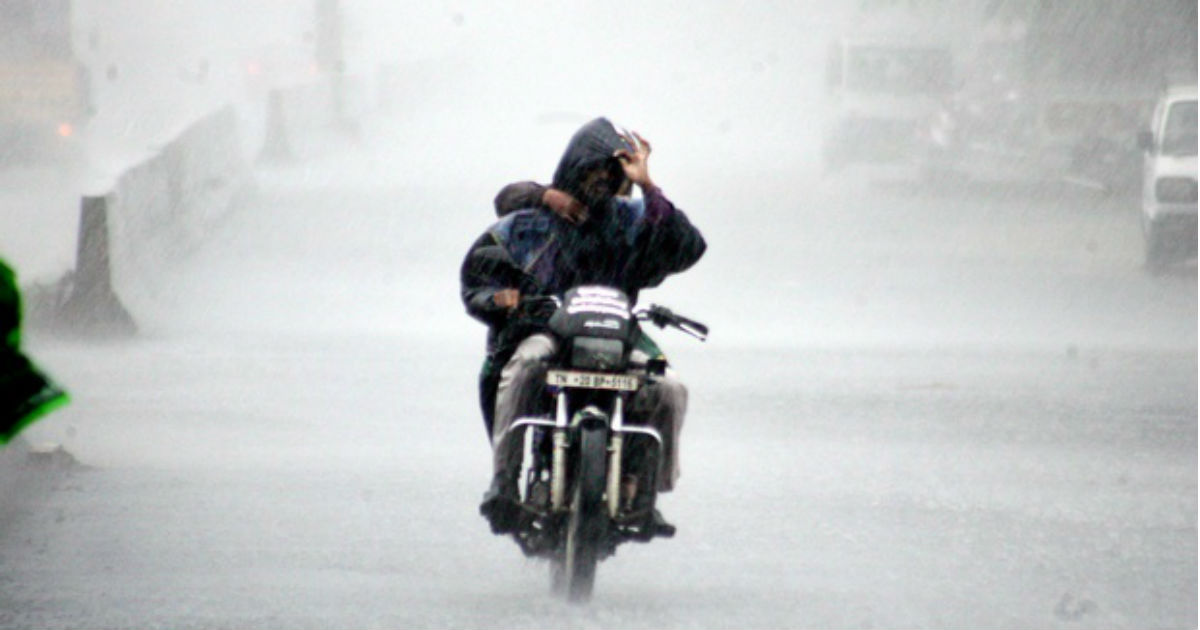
[489,376]
[520,391]
[662,406]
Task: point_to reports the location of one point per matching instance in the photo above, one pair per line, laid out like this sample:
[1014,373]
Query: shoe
[500,504]
[659,525]
[656,524]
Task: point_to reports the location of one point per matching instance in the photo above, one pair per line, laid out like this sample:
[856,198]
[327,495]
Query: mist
[944,387]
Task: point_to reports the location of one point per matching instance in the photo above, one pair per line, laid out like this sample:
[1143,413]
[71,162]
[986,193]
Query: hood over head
[591,147]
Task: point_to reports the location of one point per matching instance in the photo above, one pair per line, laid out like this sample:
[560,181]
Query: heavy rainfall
[951,379]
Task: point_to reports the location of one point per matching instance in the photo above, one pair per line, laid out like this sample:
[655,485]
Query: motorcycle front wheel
[574,572]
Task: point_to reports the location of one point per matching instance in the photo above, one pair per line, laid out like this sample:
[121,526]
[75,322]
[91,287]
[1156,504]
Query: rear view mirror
[1145,140]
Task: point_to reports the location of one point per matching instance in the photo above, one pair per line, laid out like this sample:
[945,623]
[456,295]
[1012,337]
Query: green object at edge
[26,394]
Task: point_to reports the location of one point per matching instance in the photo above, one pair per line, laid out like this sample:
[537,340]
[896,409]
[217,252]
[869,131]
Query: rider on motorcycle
[627,243]
[523,195]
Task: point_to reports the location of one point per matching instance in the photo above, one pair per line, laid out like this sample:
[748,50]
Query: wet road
[914,411]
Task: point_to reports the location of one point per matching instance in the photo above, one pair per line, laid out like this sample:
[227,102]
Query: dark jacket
[629,243]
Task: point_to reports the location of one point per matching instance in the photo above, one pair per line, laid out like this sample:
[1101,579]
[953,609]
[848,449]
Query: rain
[950,279]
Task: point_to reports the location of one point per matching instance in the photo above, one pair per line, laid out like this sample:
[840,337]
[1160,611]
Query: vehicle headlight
[1175,190]
[595,353]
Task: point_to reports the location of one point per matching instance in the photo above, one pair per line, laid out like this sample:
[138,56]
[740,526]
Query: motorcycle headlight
[595,353]
[1175,190]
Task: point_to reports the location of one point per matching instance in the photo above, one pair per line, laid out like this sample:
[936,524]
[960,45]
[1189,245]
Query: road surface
[915,410]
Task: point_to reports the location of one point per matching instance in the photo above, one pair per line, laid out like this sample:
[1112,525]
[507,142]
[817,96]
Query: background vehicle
[590,476]
[1053,92]
[1006,135]
[1169,177]
[44,88]
[882,90]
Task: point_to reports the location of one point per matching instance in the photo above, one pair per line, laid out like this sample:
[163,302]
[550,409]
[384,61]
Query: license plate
[592,380]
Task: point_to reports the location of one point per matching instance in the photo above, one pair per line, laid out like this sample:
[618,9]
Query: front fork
[558,456]
[615,443]
[558,465]
[561,427]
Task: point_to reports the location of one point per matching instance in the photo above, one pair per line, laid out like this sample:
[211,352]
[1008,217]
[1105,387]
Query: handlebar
[662,317]
[539,300]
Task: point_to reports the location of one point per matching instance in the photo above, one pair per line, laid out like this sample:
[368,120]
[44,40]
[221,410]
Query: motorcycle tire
[588,520]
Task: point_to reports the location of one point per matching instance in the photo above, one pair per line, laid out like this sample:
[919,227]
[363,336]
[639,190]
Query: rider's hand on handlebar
[565,206]
[507,299]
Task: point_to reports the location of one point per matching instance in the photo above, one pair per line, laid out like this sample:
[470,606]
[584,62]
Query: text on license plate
[592,380]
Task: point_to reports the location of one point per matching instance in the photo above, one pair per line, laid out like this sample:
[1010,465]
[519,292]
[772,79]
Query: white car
[1169,177]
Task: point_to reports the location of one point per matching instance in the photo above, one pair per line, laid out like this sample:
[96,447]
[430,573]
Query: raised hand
[635,162]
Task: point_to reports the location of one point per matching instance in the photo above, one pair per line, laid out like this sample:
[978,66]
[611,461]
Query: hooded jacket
[628,243]
[591,147]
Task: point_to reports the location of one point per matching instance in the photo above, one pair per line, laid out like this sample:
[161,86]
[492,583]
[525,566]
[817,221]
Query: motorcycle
[589,473]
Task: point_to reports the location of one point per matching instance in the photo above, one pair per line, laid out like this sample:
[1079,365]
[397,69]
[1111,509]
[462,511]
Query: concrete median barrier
[156,212]
[91,306]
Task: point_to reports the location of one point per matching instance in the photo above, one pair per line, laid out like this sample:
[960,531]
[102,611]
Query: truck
[882,89]
[44,87]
